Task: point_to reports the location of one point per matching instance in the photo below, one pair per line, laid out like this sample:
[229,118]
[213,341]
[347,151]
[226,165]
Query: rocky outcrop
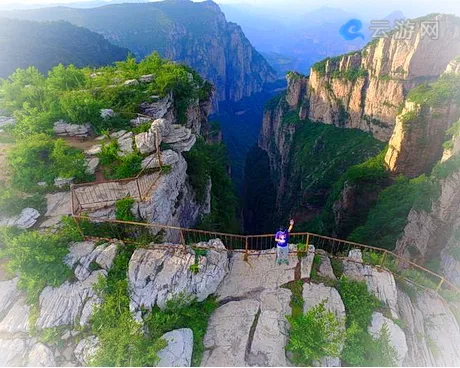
[64,129]
[427,234]
[396,335]
[379,282]
[178,353]
[25,220]
[41,356]
[158,275]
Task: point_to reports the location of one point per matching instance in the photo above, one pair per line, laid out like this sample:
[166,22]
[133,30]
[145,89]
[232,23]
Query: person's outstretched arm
[291,225]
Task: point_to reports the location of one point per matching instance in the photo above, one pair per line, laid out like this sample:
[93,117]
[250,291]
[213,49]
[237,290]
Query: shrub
[127,166]
[315,335]
[37,258]
[123,210]
[109,153]
[122,341]
[184,313]
[13,202]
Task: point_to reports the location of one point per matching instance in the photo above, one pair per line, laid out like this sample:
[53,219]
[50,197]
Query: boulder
[145,142]
[157,275]
[140,120]
[325,268]
[159,107]
[396,334]
[307,262]
[178,353]
[131,83]
[91,165]
[148,78]
[227,336]
[83,255]
[94,150]
[8,295]
[272,330]
[177,133]
[62,128]
[17,319]
[63,305]
[12,352]
[62,182]
[41,356]
[168,157]
[184,146]
[25,220]
[86,349]
[107,113]
[125,143]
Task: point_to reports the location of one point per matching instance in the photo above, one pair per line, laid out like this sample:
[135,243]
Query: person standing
[282,242]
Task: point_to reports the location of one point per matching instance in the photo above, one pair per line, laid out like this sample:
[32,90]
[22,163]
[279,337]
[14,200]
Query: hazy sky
[410,8]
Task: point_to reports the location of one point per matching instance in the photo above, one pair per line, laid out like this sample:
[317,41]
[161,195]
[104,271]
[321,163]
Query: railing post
[440,284]
[157,146]
[383,259]
[246,251]
[308,241]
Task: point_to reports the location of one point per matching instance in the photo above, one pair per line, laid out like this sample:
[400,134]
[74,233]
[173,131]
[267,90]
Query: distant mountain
[194,33]
[77,4]
[44,45]
[304,39]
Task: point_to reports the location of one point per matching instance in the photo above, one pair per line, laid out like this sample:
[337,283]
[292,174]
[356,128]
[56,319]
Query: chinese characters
[404,29]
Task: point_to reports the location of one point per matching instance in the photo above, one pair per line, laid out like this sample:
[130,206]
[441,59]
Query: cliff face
[196,34]
[365,89]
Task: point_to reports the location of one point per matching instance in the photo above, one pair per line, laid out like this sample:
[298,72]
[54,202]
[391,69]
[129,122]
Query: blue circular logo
[350,30]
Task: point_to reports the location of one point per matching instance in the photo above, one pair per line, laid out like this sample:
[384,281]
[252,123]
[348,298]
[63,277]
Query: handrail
[140,190]
[257,243]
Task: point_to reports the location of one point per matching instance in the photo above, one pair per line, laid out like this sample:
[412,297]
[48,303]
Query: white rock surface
[272,330]
[140,120]
[145,142]
[325,267]
[307,262]
[227,336]
[159,108]
[379,282]
[63,305]
[62,128]
[184,146]
[178,353]
[86,349]
[58,204]
[91,165]
[41,356]
[125,144]
[8,295]
[262,270]
[107,113]
[396,334]
[157,275]
[12,352]
[7,120]
[17,319]
[94,150]
[148,78]
[177,133]
[131,82]
[168,157]
[25,220]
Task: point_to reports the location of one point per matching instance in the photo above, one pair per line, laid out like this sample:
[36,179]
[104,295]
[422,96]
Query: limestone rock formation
[62,128]
[178,353]
[41,356]
[379,282]
[86,348]
[168,158]
[25,220]
[158,275]
[395,333]
[17,318]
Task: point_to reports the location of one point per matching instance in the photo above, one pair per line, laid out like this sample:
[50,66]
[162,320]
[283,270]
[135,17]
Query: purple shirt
[283,236]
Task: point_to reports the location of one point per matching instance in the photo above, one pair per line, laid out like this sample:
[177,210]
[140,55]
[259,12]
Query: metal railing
[95,195]
[143,234]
